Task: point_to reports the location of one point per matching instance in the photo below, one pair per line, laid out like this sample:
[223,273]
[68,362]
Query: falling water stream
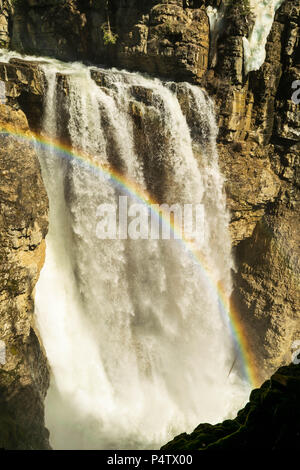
[263,12]
[132,328]
[255,46]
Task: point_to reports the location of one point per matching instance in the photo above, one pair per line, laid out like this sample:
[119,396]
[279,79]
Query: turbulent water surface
[133,331]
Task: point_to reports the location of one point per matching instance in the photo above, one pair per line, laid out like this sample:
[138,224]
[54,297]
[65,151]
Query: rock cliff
[5,22]
[24,375]
[169,38]
[259,149]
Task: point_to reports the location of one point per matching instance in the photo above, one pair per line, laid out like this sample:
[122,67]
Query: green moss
[3,44]
[269,421]
[13,350]
[12,436]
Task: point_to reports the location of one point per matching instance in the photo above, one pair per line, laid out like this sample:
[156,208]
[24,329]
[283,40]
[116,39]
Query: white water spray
[255,46]
[216,23]
[133,329]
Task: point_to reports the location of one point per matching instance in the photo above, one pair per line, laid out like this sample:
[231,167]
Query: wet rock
[5,19]
[270,421]
[165,38]
[24,374]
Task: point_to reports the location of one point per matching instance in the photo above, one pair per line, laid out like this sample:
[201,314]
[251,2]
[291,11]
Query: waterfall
[216,25]
[133,331]
[254,46]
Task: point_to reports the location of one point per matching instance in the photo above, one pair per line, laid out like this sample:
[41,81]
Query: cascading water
[132,328]
[216,25]
[254,46]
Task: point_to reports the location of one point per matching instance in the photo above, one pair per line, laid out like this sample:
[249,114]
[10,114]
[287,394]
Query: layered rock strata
[24,374]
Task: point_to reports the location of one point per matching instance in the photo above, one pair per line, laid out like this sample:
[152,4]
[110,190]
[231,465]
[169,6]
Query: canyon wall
[258,147]
[259,150]
[168,38]
[24,375]
[5,22]
[259,153]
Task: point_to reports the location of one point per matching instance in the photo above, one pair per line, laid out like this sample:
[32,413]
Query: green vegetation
[168,26]
[269,421]
[108,36]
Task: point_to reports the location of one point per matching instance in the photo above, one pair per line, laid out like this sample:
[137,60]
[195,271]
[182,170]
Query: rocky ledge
[270,421]
[24,374]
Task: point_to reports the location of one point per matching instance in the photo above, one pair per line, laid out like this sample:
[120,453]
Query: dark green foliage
[108,36]
[270,421]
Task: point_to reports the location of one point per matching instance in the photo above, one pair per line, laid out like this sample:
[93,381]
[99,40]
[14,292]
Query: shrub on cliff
[108,36]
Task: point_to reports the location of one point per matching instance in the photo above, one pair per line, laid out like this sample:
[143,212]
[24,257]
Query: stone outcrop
[267,290]
[169,38]
[259,153]
[251,186]
[5,22]
[270,421]
[24,89]
[24,375]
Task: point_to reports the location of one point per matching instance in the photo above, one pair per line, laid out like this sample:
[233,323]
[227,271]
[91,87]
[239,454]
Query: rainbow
[228,311]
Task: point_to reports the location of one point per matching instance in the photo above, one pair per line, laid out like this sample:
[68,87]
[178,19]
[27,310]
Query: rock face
[259,153]
[24,89]
[5,22]
[24,375]
[267,287]
[270,421]
[160,37]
